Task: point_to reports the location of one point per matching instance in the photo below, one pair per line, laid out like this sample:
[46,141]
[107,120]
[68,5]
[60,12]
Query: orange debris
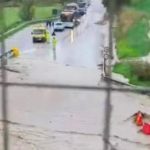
[139,119]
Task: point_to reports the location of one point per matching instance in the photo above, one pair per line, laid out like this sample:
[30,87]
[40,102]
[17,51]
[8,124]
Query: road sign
[53,34]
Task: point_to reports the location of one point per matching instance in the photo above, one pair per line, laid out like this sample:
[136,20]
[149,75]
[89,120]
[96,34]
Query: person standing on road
[52,23]
[47,24]
[48,36]
[52,26]
[54,43]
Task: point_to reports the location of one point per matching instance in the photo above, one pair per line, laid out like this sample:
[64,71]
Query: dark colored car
[82,8]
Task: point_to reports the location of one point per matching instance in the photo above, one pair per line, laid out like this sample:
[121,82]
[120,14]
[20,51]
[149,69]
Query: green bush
[142,70]
[124,50]
[136,42]
[138,73]
[2,22]
[43,12]
[27,10]
[142,5]
[11,15]
[123,68]
[135,2]
[137,38]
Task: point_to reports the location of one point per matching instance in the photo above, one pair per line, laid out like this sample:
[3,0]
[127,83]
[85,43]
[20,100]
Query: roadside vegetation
[16,12]
[132,41]
[132,35]
[137,72]
[12,14]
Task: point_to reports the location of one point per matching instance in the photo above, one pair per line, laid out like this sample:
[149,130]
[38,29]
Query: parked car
[74,7]
[59,26]
[82,8]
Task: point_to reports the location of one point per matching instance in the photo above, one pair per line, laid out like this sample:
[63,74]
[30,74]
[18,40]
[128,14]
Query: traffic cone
[139,119]
[146,129]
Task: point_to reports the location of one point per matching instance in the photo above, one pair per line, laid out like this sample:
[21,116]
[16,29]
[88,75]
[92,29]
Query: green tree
[27,10]
[2,19]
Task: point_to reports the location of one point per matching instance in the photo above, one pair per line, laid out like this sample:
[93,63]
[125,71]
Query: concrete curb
[117,81]
[23,25]
[129,85]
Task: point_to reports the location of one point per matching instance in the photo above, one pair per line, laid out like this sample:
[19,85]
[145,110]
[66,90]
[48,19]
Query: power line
[108,88]
[76,87]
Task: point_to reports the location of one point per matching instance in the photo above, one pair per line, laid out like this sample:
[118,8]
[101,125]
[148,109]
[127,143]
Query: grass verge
[12,18]
[133,41]
[136,42]
[23,25]
[128,71]
[132,38]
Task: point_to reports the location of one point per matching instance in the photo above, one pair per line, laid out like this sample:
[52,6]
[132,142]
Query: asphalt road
[62,119]
[42,118]
[78,47]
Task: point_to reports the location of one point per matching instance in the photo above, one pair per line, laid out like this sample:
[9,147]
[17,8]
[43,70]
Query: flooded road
[77,47]
[45,118]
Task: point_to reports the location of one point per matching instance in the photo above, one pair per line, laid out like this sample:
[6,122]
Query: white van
[72,7]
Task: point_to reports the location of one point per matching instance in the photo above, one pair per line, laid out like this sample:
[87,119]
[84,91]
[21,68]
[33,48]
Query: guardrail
[6,54]
[25,24]
[128,84]
[14,52]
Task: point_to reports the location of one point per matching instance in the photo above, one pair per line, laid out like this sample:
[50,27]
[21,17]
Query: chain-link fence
[108,88]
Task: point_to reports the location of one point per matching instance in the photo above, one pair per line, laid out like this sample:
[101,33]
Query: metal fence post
[107,67]
[4,87]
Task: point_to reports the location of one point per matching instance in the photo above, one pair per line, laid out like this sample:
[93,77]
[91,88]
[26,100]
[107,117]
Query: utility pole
[107,68]
[108,52]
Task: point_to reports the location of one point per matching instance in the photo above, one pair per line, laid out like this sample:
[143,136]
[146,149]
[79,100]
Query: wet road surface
[59,119]
[78,47]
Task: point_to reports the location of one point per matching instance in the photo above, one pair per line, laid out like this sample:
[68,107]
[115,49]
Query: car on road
[39,33]
[71,7]
[82,8]
[74,7]
[87,2]
[67,17]
[59,26]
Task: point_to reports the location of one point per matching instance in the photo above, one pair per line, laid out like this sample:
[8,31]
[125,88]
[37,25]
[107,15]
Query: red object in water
[146,128]
[139,119]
